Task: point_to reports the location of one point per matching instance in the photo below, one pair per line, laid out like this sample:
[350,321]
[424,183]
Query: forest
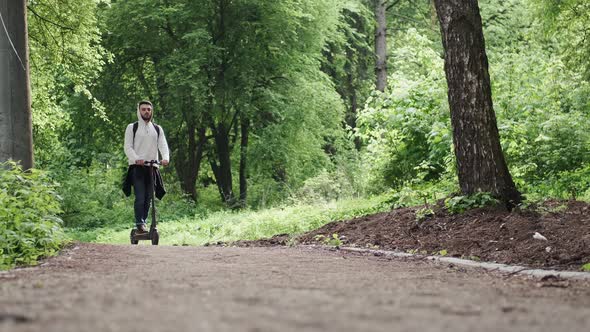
[282,116]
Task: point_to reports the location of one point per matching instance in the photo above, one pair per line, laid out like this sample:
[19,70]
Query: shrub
[29,226]
[460,204]
[93,199]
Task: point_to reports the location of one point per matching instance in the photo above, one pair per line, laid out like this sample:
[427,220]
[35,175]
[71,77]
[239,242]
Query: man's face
[146,112]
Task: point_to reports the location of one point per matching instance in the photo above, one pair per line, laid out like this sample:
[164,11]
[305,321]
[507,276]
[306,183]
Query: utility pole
[16,136]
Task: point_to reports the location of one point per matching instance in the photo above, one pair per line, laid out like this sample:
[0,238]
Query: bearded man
[143,140]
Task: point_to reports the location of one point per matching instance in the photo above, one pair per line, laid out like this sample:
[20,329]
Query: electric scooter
[153,233]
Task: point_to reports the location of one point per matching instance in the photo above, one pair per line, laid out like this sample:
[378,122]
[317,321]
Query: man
[143,140]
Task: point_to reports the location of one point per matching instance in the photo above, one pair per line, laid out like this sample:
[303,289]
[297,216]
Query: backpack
[136,125]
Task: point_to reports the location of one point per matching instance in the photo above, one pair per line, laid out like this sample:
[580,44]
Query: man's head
[145,109]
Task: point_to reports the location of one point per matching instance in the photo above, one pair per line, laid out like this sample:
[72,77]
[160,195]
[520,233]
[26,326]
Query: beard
[146,117]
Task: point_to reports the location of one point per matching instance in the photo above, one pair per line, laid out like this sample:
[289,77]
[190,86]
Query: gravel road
[95,288]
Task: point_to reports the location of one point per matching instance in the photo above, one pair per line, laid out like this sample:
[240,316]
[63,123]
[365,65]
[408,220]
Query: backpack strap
[136,125]
[157,129]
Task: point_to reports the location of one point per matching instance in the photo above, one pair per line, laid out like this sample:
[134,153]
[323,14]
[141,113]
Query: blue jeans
[142,186]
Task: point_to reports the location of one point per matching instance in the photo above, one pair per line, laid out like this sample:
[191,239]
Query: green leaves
[66,56]
[536,91]
[407,129]
[29,225]
[567,21]
[209,63]
[459,204]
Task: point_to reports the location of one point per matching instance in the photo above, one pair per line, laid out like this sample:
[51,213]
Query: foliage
[459,204]
[92,198]
[301,73]
[347,56]
[567,21]
[235,63]
[334,240]
[419,192]
[536,95]
[341,183]
[66,58]
[407,130]
[29,226]
[423,213]
[290,151]
[245,225]
[574,184]
[586,267]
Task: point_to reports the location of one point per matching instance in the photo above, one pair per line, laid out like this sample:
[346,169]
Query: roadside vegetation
[308,140]
[30,208]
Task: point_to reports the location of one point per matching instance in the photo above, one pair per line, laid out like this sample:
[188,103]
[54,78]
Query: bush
[29,226]
[93,201]
[459,204]
[573,184]
[407,129]
[419,192]
[331,186]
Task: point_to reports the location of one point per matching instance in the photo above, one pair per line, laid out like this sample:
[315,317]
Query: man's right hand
[139,162]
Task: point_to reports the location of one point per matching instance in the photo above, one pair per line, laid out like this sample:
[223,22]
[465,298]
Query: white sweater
[146,143]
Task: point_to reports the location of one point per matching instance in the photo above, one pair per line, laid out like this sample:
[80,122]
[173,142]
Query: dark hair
[145,102]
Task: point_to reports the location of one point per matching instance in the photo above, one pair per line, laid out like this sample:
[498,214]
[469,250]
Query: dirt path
[145,288]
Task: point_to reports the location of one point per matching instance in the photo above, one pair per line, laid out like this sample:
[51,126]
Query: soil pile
[490,234]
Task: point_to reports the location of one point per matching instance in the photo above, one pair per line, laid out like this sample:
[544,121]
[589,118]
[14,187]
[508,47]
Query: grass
[227,226]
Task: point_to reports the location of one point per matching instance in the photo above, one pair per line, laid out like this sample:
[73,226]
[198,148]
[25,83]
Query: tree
[480,160]
[349,60]
[66,60]
[568,20]
[381,44]
[141,35]
[221,73]
[16,138]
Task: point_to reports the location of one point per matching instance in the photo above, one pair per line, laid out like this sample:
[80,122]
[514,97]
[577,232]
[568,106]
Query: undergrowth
[227,226]
[29,225]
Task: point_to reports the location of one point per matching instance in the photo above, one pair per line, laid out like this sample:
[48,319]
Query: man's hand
[165,162]
[139,162]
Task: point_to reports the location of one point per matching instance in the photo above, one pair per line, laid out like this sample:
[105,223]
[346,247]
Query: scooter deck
[153,236]
[142,236]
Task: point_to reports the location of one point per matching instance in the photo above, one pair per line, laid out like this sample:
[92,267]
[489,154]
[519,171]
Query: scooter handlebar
[152,162]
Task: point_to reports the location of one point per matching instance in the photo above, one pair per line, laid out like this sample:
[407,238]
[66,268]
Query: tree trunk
[351,115]
[381,44]
[16,136]
[245,127]
[222,171]
[480,161]
[188,161]
[187,144]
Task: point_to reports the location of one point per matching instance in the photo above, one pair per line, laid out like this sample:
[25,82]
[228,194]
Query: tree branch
[391,5]
[412,20]
[49,21]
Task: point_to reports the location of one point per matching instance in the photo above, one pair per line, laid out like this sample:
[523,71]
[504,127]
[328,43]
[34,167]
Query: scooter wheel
[132,237]
[155,238]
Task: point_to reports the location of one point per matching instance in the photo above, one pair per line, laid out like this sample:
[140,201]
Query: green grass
[229,226]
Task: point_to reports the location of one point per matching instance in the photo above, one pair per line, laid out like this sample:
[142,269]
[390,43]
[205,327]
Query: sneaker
[141,228]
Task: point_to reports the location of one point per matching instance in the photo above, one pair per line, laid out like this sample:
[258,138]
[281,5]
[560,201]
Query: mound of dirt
[487,234]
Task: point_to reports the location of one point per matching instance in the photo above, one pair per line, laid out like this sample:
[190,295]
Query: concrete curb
[511,269]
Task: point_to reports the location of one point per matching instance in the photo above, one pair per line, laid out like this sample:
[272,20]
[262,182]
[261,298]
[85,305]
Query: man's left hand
[165,162]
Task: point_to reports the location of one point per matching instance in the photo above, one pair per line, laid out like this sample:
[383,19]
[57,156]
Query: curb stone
[512,269]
